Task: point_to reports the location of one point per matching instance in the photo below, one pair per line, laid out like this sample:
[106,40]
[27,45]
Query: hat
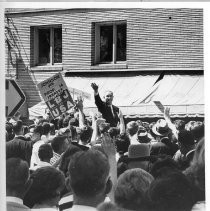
[138,150]
[161,128]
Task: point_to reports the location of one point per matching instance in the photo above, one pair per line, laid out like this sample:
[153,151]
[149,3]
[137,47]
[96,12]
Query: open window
[110,42]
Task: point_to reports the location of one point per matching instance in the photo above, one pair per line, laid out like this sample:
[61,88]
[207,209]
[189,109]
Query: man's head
[60,144]
[89,176]
[131,189]
[17,177]
[18,128]
[45,152]
[108,97]
[132,128]
[86,134]
[46,128]
[185,141]
[37,132]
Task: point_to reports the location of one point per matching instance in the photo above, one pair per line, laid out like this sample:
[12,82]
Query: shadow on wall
[16,67]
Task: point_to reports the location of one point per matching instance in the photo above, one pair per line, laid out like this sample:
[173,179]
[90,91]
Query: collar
[14,199]
[82,207]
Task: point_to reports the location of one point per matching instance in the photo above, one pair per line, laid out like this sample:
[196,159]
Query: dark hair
[186,138]
[172,192]
[46,181]
[198,131]
[86,134]
[131,189]
[9,129]
[67,155]
[122,143]
[58,142]
[164,166]
[73,132]
[113,131]
[66,121]
[104,127]
[25,129]
[38,129]
[180,124]
[46,128]
[17,173]
[89,171]
[17,126]
[45,152]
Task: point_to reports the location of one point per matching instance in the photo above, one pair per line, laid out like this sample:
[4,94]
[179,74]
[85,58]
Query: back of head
[186,138]
[172,192]
[163,167]
[17,126]
[67,155]
[132,128]
[198,131]
[113,131]
[46,128]
[38,129]
[17,175]
[58,142]
[86,134]
[131,189]
[48,182]
[122,143]
[180,124]
[45,152]
[89,171]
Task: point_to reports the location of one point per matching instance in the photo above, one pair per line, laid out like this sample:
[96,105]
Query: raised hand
[79,102]
[94,86]
[108,145]
[167,113]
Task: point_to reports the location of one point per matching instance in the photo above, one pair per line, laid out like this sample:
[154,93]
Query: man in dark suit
[17,184]
[109,112]
[20,146]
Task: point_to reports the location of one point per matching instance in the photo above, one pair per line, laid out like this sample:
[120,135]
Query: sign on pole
[56,95]
[15,97]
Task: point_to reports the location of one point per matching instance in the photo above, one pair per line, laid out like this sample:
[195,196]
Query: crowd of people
[98,162]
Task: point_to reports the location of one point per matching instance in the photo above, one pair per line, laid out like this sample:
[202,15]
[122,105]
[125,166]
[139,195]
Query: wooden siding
[157,39]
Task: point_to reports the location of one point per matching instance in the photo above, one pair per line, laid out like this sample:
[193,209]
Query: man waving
[109,112]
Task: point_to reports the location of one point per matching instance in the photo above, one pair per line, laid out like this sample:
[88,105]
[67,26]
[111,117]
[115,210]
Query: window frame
[36,45]
[114,49]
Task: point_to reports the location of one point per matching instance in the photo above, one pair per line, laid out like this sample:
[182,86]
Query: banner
[56,95]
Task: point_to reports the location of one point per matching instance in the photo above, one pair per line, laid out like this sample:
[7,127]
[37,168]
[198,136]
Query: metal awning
[184,94]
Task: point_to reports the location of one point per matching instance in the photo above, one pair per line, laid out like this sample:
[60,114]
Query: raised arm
[109,148]
[81,113]
[98,101]
[170,124]
[122,123]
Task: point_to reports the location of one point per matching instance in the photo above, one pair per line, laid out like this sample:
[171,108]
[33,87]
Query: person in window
[109,112]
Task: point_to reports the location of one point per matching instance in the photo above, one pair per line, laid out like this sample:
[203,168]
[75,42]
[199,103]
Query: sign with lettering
[56,95]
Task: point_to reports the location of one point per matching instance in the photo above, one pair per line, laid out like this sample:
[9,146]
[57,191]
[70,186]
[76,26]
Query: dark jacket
[107,112]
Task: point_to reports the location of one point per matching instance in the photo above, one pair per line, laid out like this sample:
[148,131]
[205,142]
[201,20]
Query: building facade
[118,48]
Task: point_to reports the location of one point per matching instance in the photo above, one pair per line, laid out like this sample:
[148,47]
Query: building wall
[157,39]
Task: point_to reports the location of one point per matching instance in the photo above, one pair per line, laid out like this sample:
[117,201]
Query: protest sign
[159,105]
[56,95]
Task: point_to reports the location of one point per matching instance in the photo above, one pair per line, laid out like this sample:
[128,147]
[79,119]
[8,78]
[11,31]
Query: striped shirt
[55,157]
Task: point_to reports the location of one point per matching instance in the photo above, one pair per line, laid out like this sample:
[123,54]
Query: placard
[56,95]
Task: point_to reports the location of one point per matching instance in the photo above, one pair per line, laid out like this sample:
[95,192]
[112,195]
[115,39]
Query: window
[110,42]
[48,45]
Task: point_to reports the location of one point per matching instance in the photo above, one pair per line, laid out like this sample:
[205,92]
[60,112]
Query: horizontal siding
[157,39]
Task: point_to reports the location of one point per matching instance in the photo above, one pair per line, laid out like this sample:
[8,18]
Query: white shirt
[133,139]
[34,157]
[41,164]
[82,208]
[14,199]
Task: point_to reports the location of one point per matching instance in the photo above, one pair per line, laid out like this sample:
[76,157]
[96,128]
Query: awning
[184,94]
